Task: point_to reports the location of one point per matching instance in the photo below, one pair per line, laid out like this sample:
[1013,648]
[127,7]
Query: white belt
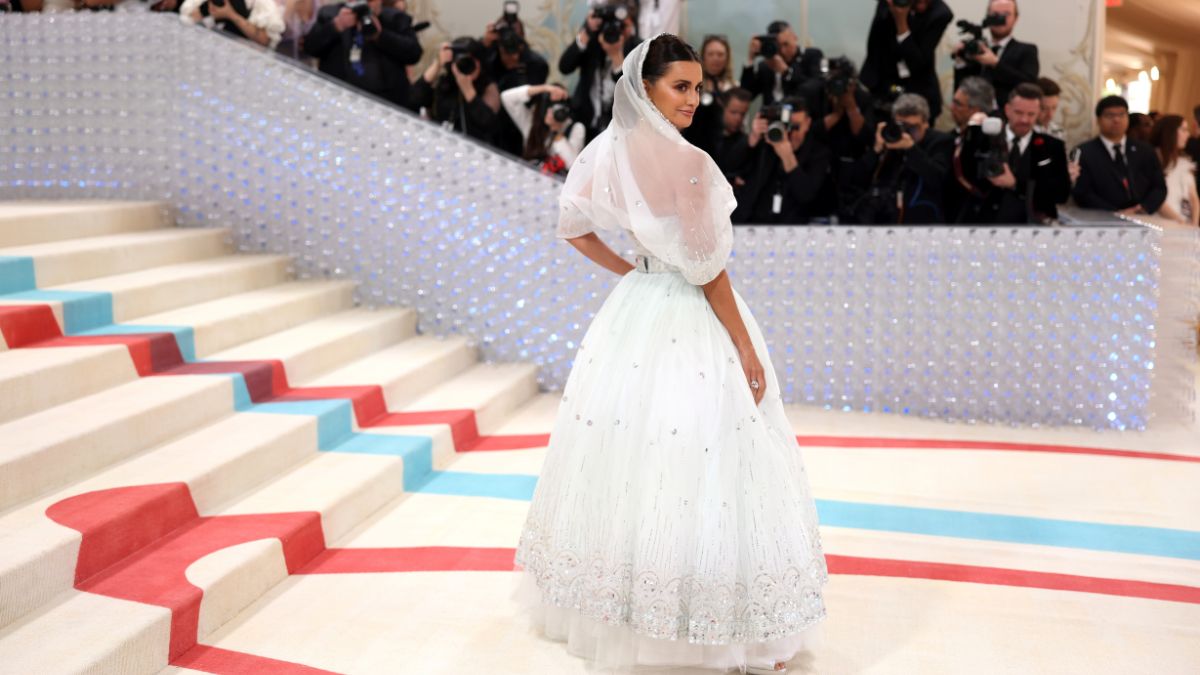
[651,265]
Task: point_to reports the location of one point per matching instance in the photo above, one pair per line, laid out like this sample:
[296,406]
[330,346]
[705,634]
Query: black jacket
[1018,63]
[532,69]
[1101,185]
[800,190]
[880,72]
[587,62]
[1042,184]
[383,59]
[759,79]
[920,173]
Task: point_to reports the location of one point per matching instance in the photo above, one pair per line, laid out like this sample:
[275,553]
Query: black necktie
[1122,167]
[1014,155]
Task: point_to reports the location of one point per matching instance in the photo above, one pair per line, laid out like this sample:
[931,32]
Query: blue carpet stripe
[1154,541]
[16,274]
[82,310]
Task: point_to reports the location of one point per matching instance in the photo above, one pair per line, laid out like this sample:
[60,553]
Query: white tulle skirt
[672,524]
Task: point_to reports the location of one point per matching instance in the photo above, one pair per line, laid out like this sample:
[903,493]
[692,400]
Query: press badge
[355,54]
[777,204]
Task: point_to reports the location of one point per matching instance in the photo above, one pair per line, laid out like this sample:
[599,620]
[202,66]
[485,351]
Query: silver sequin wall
[1012,325]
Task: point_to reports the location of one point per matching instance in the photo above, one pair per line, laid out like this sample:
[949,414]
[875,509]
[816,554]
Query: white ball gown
[672,524]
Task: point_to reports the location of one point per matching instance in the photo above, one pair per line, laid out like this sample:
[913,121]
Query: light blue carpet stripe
[417,452]
[1154,541]
[334,417]
[82,310]
[16,274]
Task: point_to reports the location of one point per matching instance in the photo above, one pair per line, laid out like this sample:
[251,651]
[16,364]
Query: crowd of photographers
[828,141]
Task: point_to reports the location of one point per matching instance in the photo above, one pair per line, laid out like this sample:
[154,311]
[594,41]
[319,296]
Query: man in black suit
[1029,186]
[1193,146]
[783,74]
[903,180]
[374,62]
[1006,62]
[599,64]
[1117,173]
[785,179]
[901,50]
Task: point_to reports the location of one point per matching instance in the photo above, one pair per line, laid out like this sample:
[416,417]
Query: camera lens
[465,64]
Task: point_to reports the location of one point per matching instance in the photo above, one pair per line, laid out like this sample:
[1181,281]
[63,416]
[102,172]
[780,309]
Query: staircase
[176,419]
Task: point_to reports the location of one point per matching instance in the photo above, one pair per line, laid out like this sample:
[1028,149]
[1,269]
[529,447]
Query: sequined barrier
[1012,325]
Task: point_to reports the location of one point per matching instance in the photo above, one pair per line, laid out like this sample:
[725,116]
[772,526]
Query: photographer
[788,168]
[1006,62]
[455,91]
[367,45]
[901,49]
[844,121]
[905,175]
[733,149]
[260,21]
[549,136]
[1118,173]
[1017,176]
[597,53]
[784,68]
[510,63]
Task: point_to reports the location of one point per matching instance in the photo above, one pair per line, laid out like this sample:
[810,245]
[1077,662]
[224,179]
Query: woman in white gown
[672,524]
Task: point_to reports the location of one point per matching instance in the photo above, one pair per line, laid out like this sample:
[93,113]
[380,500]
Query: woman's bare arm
[598,252]
[720,295]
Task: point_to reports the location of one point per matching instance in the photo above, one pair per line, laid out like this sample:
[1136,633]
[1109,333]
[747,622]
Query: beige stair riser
[156,249]
[37,379]
[58,222]
[195,288]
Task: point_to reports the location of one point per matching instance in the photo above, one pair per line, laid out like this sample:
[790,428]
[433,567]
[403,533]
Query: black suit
[800,191]
[1193,150]
[759,79]
[920,173]
[1102,185]
[1018,64]
[880,72]
[588,62]
[383,59]
[1043,183]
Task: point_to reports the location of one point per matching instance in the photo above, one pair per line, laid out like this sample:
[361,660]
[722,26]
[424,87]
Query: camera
[466,50]
[974,46]
[780,117]
[840,76]
[510,40]
[217,3]
[559,109]
[362,11]
[768,45]
[991,157]
[612,22]
[902,4]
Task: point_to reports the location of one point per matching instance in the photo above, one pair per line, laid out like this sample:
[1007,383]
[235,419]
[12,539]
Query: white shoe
[779,668]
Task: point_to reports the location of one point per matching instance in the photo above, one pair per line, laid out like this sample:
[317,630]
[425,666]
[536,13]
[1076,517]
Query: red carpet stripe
[998,576]
[453,559]
[23,325]
[225,662]
[939,444]
[417,559]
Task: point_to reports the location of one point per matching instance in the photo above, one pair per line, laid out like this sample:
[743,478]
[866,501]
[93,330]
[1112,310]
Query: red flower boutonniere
[1039,142]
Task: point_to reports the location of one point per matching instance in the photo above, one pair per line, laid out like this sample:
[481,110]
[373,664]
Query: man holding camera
[843,120]
[597,53]
[1017,176]
[904,177]
[785,67]
[367,45]
[788,168]
[1118,173]
[510,64]
[1005,62]
[456,91]
[901,50]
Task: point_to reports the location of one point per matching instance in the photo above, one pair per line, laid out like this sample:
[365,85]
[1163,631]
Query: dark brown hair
[539,132]
[1165,139]
[1049,87]
[662,52]
[1027,91]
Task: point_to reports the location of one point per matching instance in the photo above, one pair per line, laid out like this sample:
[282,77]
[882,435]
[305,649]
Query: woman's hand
[753,369]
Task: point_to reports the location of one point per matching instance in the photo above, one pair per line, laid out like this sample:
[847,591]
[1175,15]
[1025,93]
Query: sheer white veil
[641,175]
